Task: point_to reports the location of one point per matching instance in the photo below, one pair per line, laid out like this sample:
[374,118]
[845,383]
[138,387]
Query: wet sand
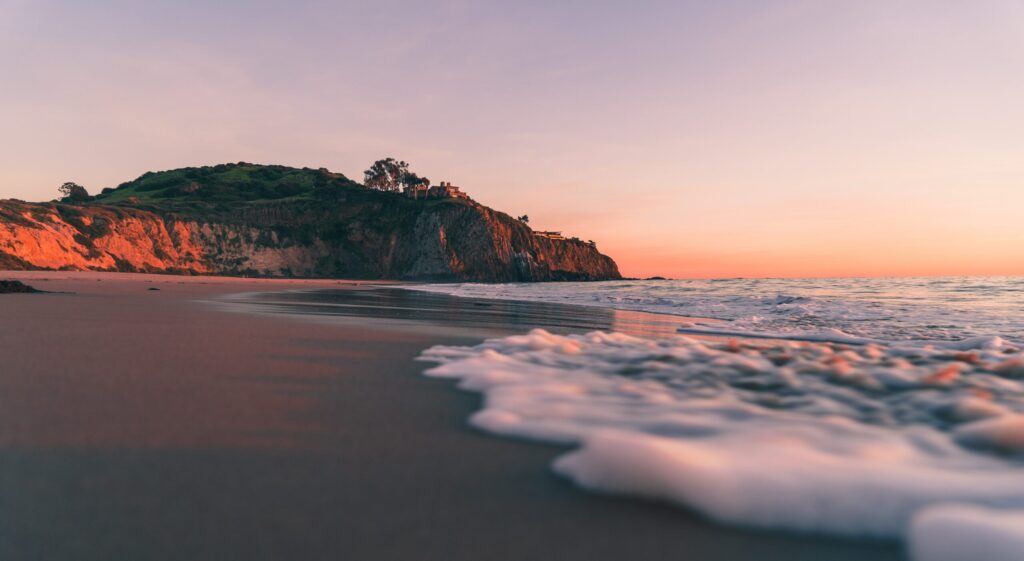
[140,424]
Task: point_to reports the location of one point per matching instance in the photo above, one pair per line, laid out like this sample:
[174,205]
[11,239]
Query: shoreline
[150,424]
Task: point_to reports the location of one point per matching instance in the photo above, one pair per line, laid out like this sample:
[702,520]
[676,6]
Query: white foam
[805,437]
[967,533]
[1004,433]
[783,481]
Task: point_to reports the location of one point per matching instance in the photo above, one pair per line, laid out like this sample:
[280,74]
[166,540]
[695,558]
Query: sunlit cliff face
[445,242]
[46,239]
[97,238]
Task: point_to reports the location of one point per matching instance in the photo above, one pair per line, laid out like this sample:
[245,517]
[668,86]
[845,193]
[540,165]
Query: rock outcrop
[350,234]
[15,287]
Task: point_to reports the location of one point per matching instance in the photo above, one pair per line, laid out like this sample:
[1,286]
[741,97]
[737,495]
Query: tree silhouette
[413,179]
[72,192]
[386,174]
[390,174]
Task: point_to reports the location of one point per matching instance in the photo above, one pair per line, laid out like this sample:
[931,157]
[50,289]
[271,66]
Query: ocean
[866,408]
[840,310]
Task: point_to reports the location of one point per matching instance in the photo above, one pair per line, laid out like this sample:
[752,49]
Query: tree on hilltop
[525,219]
[413,179]
[390,174]
[73,192]
[386,174]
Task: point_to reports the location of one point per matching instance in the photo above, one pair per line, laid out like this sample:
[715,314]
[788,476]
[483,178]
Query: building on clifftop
[418,190]
[443,191]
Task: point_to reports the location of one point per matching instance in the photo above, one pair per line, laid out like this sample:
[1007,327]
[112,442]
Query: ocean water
[846,310]
[872,408]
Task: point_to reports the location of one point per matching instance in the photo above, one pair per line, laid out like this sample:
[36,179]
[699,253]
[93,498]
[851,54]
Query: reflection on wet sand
[456,315]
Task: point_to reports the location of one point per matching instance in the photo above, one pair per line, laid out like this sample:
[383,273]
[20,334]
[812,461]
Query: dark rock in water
[152,288]
[15,287]
[655,278]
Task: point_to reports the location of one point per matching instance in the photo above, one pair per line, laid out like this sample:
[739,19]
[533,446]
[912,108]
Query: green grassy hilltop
[241,182]
[232,188]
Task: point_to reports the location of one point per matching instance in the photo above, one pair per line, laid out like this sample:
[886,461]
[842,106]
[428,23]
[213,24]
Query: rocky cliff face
[351,236]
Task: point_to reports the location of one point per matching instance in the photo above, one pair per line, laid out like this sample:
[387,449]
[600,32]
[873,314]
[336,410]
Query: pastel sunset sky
[689,139]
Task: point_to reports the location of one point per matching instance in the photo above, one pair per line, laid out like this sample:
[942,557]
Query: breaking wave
[885,441]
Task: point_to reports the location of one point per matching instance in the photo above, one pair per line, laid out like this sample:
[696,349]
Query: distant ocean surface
[890,408]
[847,310]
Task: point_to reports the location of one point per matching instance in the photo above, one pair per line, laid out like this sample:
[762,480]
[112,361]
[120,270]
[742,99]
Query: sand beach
[180,423]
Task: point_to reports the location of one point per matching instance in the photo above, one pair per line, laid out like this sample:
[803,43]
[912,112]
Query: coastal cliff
[306,223]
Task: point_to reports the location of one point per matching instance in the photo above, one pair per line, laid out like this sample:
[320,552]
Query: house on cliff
[443,191]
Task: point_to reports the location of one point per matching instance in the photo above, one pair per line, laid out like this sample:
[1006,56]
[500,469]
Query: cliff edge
[245,219]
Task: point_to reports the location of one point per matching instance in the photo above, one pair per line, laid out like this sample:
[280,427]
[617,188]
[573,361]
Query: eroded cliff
[350,233]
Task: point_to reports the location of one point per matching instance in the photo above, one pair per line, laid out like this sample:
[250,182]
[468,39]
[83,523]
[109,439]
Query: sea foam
[860,441]
[962,532]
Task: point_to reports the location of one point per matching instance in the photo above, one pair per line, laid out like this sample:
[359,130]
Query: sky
[688,139]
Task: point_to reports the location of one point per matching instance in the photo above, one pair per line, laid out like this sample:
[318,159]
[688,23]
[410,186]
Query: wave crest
[812,437]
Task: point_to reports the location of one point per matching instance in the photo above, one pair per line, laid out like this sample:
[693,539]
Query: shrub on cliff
[73,193]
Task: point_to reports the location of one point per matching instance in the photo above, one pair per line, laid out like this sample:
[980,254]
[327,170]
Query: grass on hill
[227,183]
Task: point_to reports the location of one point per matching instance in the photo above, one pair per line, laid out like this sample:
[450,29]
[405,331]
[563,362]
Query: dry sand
[139,424]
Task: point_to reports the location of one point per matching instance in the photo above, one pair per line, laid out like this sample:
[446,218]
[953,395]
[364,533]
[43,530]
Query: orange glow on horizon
[687,139]
[826,259]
